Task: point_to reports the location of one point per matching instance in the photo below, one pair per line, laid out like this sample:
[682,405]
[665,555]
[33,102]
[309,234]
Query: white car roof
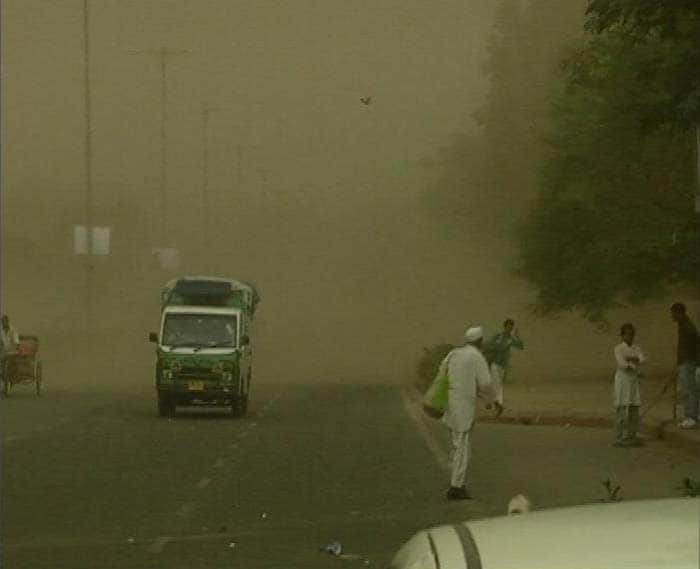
[647,534]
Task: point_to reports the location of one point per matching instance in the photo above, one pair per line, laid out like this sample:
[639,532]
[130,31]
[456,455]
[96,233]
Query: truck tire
[247,388]
[166,407]
[37,378]
[239,405]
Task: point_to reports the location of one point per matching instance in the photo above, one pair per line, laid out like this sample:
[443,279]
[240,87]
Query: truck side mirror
[245,340]
[153,337]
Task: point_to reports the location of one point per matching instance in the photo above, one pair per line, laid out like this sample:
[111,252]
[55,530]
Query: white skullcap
[473,334]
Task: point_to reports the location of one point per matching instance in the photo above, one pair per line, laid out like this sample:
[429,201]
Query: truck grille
[197,373]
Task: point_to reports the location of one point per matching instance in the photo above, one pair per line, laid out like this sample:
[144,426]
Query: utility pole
[205,175]
[206,115]
[163,54]
[240,150]
[88,171]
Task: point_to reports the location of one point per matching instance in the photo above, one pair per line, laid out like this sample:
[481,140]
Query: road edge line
[440,456]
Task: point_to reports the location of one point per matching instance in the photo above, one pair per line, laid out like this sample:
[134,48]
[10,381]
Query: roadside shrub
[429,363]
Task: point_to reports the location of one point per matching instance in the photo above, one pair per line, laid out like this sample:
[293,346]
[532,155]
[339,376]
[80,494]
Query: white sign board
[100,240]
[80,246]
[169,259]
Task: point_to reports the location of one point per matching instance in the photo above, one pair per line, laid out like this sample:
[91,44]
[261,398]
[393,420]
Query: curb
[663,430]
[550,421]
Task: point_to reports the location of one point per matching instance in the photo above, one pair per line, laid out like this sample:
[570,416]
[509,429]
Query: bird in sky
[366,100]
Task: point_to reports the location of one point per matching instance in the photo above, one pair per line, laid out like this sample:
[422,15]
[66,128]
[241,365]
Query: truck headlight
[227,376]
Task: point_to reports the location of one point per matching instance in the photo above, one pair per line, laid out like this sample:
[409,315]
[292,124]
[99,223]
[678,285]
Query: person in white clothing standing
[469,380]
[629,358]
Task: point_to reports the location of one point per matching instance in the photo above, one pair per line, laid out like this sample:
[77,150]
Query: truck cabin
[200,312]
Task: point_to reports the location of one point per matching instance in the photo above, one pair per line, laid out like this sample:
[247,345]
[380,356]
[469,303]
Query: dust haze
[333,208]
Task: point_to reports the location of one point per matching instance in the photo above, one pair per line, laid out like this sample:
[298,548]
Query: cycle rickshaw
[23,366]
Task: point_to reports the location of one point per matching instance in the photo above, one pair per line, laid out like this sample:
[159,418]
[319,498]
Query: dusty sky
[318,199]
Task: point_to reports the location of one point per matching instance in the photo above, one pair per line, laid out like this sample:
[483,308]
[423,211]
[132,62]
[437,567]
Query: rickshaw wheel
[37,378]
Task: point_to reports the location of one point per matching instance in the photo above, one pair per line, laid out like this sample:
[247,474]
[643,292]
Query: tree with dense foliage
[673,28]
[614,222]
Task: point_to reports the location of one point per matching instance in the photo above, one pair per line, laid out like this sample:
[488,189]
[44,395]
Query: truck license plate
[195,386]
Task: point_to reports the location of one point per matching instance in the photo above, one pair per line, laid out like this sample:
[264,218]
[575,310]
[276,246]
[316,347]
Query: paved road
[98,481]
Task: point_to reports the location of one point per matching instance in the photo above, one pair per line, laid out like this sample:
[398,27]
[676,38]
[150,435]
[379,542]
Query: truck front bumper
[193,392]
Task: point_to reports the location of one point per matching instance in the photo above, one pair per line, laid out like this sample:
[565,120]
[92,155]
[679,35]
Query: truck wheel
[37,378]
[246,394]
[239,405]
[247,390]
[166,407]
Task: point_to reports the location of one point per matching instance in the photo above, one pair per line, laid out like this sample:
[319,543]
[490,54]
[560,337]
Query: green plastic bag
[436,398]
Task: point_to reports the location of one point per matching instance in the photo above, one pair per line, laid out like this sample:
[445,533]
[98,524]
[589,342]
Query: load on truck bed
[204,350]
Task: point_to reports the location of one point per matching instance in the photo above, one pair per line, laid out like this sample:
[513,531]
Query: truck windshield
[200,330]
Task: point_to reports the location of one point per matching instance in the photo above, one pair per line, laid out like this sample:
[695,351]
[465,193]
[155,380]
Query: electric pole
[163,55]
[206,115]
[88,171]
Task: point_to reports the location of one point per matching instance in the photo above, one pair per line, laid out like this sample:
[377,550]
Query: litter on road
[334,548]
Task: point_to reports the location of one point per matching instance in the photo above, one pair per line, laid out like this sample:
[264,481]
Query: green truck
[203,350]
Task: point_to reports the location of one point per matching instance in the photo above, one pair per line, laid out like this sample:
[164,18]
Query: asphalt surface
[98,480]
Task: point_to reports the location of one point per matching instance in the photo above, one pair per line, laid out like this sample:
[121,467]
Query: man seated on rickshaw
[9,340]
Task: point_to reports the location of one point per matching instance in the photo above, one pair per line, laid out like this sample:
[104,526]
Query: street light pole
[205,175]
[88,170]
[163,54]
[206,116]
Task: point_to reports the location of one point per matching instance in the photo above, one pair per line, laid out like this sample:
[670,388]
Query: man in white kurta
[629,358]
[469,379]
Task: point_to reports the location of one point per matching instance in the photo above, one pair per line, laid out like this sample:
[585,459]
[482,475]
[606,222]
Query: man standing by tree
[497,352]
[687,359]
[469,379]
